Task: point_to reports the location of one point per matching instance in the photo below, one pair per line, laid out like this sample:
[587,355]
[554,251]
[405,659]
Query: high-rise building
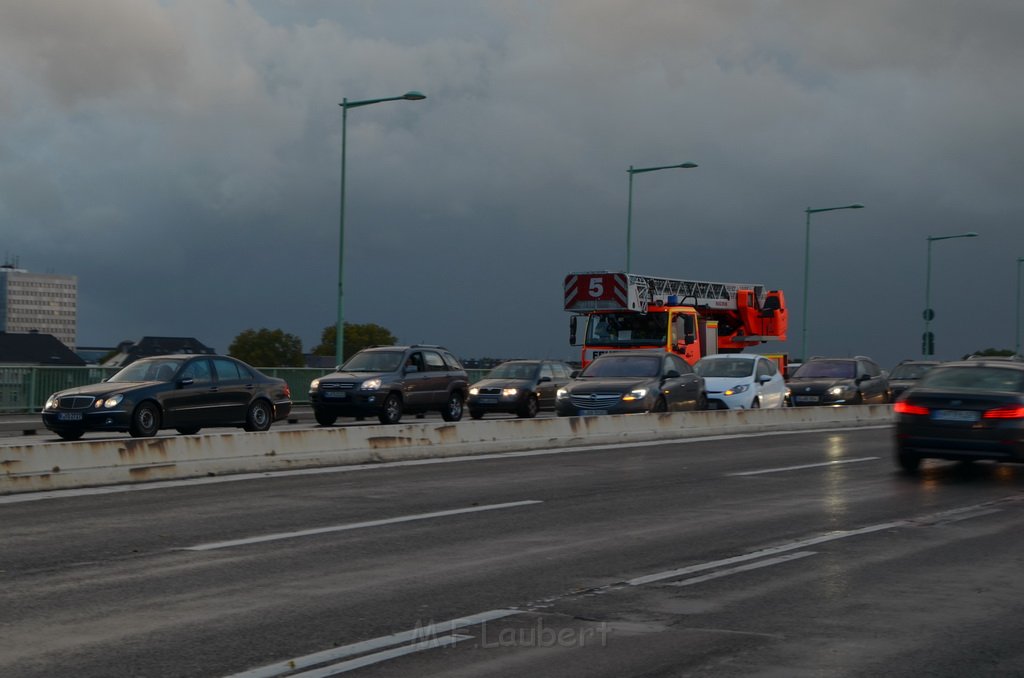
[38,302]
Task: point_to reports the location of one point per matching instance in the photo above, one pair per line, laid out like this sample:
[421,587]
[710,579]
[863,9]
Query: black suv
[839,381]
[389,381]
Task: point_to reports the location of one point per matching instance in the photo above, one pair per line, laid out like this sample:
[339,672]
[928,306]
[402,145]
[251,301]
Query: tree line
[277,348]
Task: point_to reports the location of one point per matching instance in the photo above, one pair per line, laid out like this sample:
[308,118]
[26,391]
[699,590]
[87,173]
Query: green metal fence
[25,389]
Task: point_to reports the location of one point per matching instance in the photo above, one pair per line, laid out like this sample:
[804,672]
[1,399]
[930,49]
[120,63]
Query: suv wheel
[325,418]
[391,412]
[453,408]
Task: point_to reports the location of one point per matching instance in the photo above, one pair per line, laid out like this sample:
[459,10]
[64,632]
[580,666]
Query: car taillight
[287,391]
[906,408]
[1010,412]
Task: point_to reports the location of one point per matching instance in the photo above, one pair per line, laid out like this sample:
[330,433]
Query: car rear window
[975,379]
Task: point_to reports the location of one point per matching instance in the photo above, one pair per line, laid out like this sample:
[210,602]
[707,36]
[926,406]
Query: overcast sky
[182,158]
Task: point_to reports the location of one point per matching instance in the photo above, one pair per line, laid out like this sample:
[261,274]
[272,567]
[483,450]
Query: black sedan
[183,392]
[624,382]
[839,381]
[965,411]
[520,387]
[907,374]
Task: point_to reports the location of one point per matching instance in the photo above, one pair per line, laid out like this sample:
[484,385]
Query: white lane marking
[782,469]
[742,568]
[378,657]
[791,546]
[417,635]
[188,482]
[354,526]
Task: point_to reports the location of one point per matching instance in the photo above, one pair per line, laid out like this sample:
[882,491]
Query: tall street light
[928,339]
[807,265]
[345,105]
[1016,346]
[629,213]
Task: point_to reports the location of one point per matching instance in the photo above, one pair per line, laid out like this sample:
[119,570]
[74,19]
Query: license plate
[805,399]
[335,395]
[584,413]
[955,415]
[487,401]
[69,416]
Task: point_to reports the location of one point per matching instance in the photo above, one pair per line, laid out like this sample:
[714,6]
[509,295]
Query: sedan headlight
[51,403]
[473,390]
[740,388]
[112,402]
[636,394]
[840,390]
[370,385]
[561,393]
[509,392]
[314,385]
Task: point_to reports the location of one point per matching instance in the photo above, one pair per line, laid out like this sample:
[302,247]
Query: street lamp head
[414,96]
[856,206]
[688,165]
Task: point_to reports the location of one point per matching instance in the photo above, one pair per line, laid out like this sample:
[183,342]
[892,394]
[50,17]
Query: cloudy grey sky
[182,158]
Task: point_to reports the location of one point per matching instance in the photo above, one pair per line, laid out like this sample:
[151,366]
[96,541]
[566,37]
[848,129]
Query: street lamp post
[1016,345]
[345,105]
[807,266]
[928,339]
[629,212]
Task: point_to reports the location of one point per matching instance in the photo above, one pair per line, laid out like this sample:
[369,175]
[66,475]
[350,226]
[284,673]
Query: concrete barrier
[62,465]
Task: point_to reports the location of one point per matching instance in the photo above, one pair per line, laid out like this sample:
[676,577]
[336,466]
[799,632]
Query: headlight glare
[739,388]
[509,392]
[370,385]
[474,390]
[561,393]
[636,394]
[314,385]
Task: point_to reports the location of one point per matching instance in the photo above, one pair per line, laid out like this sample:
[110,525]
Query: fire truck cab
[623,311]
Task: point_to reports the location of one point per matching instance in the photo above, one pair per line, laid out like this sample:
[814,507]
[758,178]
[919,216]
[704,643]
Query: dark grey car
[520,387]
[839,381]
[389,381]
[907,374]
[623,382]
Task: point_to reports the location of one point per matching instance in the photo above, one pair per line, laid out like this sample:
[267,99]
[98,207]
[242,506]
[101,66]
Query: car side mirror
[574,374]
[764,378]
[672,374]
[543,379]
[863,377]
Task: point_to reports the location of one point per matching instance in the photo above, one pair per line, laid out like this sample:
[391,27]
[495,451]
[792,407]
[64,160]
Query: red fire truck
[623,311]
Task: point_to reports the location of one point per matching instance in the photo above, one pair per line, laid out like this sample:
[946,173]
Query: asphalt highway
[792,554]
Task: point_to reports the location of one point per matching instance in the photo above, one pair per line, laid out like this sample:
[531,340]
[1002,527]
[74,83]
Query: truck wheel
[325,418]
[453,408]
[391,413]
[145,421]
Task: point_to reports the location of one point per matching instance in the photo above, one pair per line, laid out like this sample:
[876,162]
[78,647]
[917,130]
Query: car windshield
[150,369]
[374,361]
[624,366]
[909,371]
[513,371]
[835,369]
[724,367]
[975,379]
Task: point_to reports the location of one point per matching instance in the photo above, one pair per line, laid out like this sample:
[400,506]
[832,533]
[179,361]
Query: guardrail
[25,388]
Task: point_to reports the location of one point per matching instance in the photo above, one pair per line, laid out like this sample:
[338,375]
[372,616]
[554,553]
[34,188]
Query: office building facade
[39,302]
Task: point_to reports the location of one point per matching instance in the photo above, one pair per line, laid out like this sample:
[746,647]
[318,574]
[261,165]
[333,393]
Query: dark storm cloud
[182,158]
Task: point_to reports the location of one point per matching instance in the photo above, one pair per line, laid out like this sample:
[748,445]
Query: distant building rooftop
[33,348]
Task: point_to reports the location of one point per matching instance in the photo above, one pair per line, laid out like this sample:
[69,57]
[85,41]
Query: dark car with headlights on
[839,381]
[624,382]
[183,392]
[520,387]
[389,381]
[965,410]
[907,374]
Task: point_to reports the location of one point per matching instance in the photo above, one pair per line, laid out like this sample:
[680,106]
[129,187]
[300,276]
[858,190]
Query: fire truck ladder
[651,290]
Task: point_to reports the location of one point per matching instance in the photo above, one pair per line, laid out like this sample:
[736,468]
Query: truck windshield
[628,329]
